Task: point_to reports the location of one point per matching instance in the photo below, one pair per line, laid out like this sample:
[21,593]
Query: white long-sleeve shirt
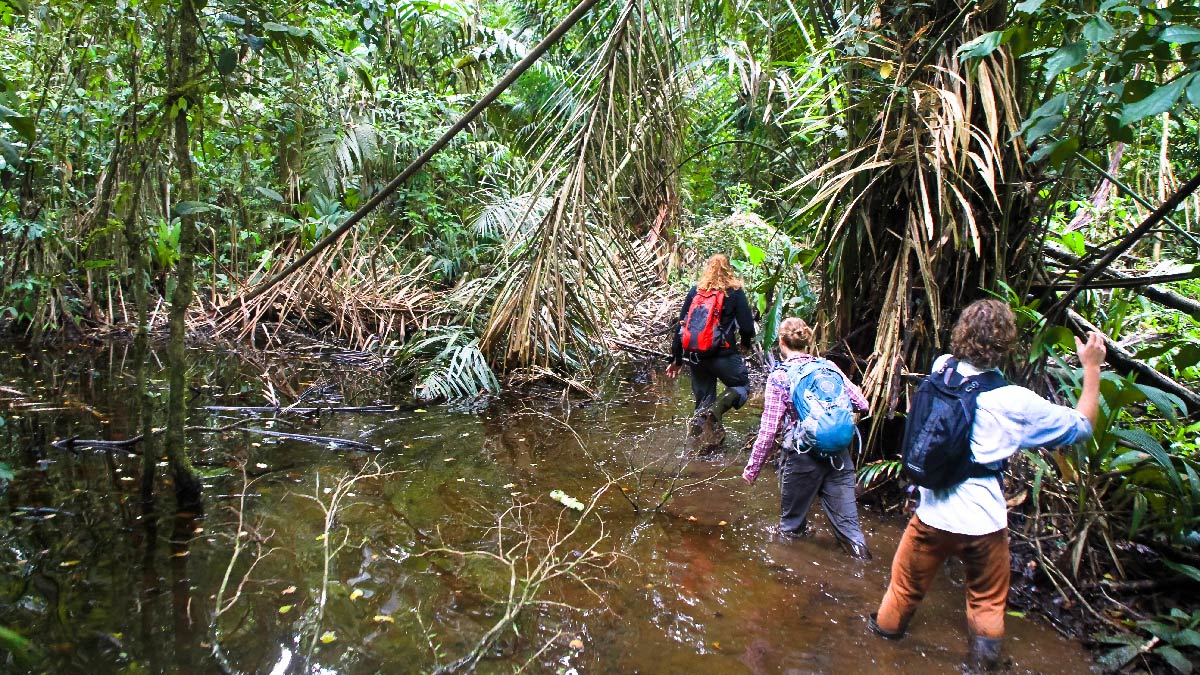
[1006,420]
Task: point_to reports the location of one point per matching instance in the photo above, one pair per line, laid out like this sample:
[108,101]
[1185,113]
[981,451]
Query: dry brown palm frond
[343,294]
[910,213]
[609,180]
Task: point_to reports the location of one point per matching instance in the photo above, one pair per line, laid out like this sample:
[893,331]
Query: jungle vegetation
[871,165]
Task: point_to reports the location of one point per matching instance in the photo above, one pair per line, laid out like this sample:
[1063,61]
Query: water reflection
[104,582]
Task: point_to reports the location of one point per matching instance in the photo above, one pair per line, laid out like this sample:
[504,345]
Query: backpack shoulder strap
[989,380]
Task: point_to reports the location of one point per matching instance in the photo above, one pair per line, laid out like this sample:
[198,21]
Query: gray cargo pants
[801,478]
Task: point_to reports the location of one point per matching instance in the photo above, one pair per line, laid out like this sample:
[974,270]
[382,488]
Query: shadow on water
[102,584]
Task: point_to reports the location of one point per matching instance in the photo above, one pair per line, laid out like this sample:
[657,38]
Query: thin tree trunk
[187,481]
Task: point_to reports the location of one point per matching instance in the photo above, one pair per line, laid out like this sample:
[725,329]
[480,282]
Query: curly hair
[795,334]
[985,333]
[718,274]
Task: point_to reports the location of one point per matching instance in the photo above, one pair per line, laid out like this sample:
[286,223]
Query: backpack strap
[983,382]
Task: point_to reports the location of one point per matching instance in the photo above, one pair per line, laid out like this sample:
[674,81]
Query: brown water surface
[100,588]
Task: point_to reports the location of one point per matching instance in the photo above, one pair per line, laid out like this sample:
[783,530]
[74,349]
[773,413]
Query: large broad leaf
[21,124]
[1098,30]
[981,46]
[1030,6]
[1180,35]
[192,208]
[227,60]
[1174,657]
[1067,56]
[1159,101]
[1170,405]
[1144,441]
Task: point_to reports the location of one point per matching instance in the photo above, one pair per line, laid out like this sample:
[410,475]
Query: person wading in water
[714,314]
[969,518]
[805,469]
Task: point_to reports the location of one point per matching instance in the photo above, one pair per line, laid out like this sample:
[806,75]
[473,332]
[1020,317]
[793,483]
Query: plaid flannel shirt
[777,408]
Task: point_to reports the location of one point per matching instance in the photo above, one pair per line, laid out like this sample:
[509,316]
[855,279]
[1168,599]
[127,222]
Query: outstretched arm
[1091,355]
[774,407]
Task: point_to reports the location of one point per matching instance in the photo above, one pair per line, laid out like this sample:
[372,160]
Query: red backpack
[699,329]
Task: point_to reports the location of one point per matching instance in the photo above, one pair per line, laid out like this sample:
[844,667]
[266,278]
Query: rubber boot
[887,635]
[983,653]
[725,401]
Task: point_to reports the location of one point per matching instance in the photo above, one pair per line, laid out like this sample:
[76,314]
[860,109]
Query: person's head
[985,333]
[718,274]
[794,335]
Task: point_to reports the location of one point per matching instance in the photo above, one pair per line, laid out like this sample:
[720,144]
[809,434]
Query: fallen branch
[1124,245]
[1166,298]
[363,409]
[629,346]
[74,442]
[319,440]
[1121,358]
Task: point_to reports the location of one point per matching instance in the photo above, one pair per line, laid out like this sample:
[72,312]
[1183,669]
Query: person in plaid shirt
[802,476]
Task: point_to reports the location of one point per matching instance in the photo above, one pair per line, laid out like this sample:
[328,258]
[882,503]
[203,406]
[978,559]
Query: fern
[446,365]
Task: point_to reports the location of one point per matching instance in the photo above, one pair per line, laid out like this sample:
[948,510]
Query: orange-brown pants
[922,551]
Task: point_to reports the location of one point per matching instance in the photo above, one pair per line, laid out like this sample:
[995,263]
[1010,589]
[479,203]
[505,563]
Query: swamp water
[700,587]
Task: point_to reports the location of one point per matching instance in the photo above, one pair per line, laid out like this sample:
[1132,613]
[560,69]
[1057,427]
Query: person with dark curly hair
[970,519]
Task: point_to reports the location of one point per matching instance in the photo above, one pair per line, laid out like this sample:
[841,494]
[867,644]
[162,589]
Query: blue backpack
[826,415]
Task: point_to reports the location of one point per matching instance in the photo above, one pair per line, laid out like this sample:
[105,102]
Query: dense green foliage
[904,157]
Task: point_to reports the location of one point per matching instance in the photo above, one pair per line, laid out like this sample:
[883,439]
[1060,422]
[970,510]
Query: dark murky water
[701,587]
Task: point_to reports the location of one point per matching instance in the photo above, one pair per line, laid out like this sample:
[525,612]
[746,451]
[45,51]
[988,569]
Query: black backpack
[937,433]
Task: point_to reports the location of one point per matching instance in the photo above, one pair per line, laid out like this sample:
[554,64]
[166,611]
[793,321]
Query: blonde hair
[795,334]
[718,274]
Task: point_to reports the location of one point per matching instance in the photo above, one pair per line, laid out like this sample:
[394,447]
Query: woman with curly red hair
[719,286]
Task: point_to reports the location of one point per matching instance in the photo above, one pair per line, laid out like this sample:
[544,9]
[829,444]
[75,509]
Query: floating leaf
[576,644]
[69,563]
[328,636]
[383,618]
[356,594]
[285,609]
[289,590]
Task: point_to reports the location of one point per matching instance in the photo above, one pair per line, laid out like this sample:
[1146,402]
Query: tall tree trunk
[181,68]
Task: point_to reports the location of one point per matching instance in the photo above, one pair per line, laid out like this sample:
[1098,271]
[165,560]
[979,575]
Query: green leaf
[21,124]
[1177,660]
[1140,506]
[754,254]
[269,193]
[1098,30]
[192,208]
[1182,568]
[1188,638]
[1062,150]
[6,472]
[273,27]
[1042,127]
[1030,6]
[1180,35]
[1167,403]
[1076,243]
[981,46]
[1067,56]
[1159,101]
[227,61]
